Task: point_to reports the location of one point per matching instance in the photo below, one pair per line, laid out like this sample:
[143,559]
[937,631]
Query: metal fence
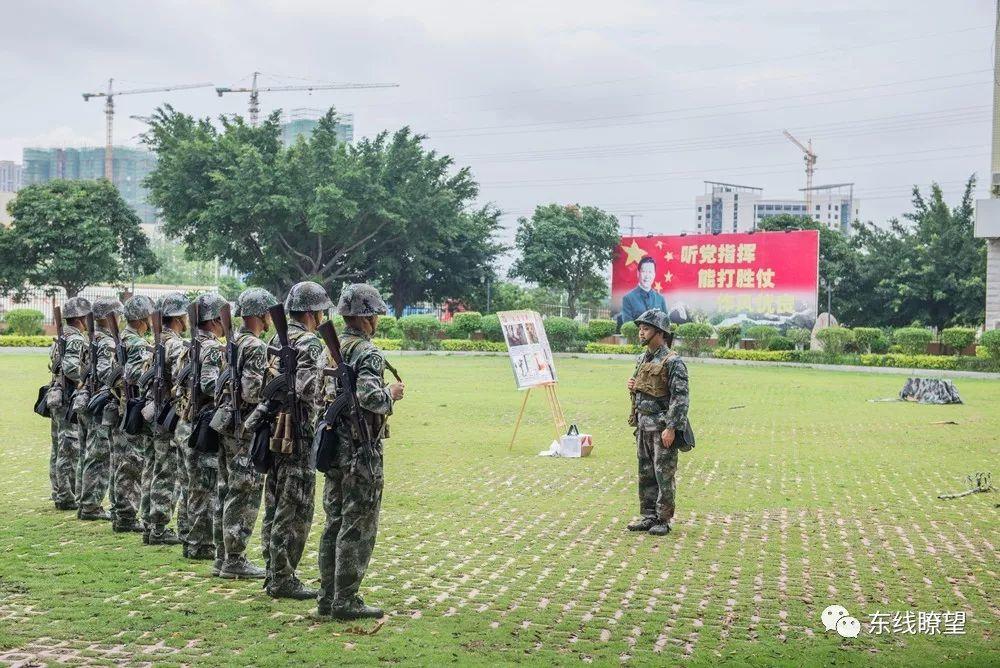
[40,301]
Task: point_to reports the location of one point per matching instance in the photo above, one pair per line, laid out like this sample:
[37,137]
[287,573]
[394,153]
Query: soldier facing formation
[198,431]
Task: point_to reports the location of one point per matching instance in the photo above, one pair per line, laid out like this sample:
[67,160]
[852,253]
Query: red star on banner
[668,256]
[659,245]
[668,277]
[658,286]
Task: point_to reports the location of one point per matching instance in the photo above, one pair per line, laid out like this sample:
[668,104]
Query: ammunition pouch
[326,441]
[684,438]
[133,422]
[41,403]
[651,379]
[222,419]
[166,420]
[95,407]
[260,449]
[203,438]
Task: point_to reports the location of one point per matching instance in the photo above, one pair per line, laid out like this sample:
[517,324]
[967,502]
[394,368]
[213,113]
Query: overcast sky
[629,106]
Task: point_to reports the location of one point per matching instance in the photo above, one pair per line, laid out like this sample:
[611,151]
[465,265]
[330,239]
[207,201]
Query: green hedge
[630,331]
[729,335]
[762,333]
[613,349]
[912,340]
[466,345]
[388,327]
[869,339]
[600,329]
[388,344]
[19,341]
[465,323]
[24,321]
[490,326]
[991,344]
[757,355]
[563,333]
[958,338]
[939,362]
[421,331]
[694,335]
[781,343]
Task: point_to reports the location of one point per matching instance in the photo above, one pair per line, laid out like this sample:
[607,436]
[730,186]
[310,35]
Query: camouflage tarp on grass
[930,391]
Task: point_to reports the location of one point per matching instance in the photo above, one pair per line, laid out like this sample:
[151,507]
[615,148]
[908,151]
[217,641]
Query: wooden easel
[558,419]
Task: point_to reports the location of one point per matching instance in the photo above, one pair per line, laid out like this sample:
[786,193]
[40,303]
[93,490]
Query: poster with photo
[528,347]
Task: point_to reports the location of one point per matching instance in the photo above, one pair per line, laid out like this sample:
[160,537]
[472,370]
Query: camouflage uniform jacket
[664,403]
[106,359]
[251,358]
[137,357]
[74,363]
[212,361]
[368,363]
[312,359]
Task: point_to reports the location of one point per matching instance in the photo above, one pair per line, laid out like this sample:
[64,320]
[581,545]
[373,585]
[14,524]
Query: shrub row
[613,349]
[468,345]
[20,341]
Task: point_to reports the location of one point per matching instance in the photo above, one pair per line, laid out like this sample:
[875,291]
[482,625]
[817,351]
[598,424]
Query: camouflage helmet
[654,317]
[209,306]
[361,299]
[75,307]
[172,304]
[105,306]
[307,296]
[254,301]
[138,307]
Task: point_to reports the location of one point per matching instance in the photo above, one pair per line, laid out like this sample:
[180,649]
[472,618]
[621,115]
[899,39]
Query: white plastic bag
[569,445]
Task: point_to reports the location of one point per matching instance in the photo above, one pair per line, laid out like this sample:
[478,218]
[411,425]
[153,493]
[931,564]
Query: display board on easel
[531,360]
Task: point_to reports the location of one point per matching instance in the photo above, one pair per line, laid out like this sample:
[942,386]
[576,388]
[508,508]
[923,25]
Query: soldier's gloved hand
[667,437]
[396,391]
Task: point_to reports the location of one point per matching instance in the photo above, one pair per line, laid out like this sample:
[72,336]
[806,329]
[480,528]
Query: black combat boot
[201,552]
[354,608]
[127,525]
[66,505]
[291,588]
[642,524]
[660,529]
[162,536]
[95,515]
[239,568]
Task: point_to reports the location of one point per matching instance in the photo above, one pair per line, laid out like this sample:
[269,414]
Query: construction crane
[254,91]
[810,160]
[109,112]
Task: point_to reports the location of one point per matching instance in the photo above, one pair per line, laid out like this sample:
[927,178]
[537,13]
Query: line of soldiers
[201,430]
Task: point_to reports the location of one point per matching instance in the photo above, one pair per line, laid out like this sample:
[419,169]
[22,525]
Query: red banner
[761,278]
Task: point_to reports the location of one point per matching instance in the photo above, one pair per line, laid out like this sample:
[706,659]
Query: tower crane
[109,113]
[810,160]
[254,91]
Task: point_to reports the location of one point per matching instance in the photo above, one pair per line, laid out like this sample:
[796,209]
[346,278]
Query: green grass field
[800,494]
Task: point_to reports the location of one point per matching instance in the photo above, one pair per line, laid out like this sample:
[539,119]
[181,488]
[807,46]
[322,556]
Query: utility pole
[631,222]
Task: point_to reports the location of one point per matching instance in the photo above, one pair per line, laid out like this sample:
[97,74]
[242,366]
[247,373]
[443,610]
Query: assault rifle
[194,354]
[161,380]
[92,369]
[347,387]
[232,354]
[286,432]
[120,357]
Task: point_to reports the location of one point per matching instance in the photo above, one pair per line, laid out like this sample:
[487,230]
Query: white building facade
[728,208]
[10,176]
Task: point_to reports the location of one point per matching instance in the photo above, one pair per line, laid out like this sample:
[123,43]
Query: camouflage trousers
[657,469]
[181,486]
[53,457]
[95,466]
[289,502]
[352,507]
[67,457]
[202,495]
[161,494]
[126,451]
[240,488]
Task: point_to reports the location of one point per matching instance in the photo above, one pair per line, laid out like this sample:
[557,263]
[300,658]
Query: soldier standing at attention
[291,482]
[240,485]
[70,371]
[352,496]
[163,478]
[135,468]
[202,466]
[97,460]
[659,388]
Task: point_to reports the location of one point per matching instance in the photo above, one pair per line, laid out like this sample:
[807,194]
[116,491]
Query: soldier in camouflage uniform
[202,467]
[352,495]
[659,388]
[97,460]
[69,370]
[163,476]
[291,482]
[135,467]
[240,485]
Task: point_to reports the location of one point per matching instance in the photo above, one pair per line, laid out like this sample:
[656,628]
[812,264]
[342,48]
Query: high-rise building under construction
[131,166]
